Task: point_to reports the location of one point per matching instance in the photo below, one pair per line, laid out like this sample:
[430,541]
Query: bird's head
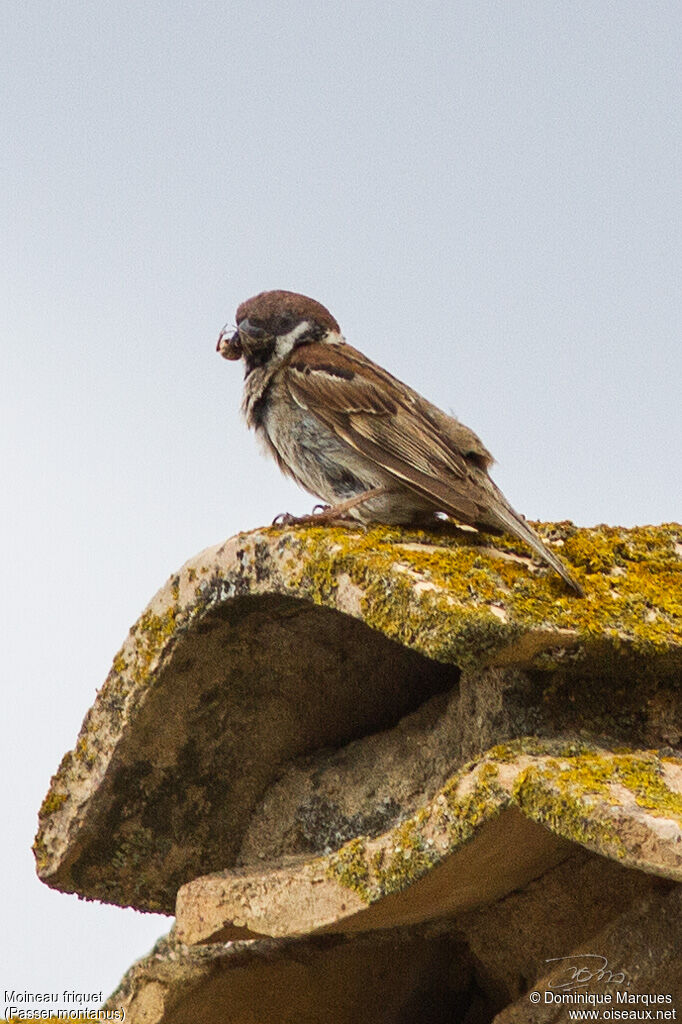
[272,324]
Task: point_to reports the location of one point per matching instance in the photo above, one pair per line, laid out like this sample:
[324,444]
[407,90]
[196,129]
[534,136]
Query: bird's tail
[501,515]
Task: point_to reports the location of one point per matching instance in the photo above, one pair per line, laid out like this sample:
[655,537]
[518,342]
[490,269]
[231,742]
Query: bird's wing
[386,423]
[394,427]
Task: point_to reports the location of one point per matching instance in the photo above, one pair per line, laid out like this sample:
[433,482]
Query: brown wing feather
[432,453]
[365,406]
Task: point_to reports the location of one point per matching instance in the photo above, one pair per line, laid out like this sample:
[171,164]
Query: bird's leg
[333,512]
[331,515]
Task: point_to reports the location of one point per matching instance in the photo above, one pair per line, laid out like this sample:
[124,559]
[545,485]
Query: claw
[329,515]
[325,517]
[285,519]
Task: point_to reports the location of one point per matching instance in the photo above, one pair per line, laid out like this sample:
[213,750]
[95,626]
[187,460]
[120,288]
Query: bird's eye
[251,330]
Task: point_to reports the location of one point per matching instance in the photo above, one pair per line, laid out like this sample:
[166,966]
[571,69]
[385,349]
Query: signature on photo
[582,969]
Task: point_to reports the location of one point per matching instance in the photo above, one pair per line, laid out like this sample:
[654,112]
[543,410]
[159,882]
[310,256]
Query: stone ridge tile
[497,824]
[448,596]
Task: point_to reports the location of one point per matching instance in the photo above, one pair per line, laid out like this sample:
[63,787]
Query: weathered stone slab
[494,827]
[387,978]
[519,940]
[631,965]
[334,894]
[466,969]
[283,645]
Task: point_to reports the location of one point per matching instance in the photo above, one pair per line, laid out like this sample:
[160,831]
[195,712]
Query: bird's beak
[229,345]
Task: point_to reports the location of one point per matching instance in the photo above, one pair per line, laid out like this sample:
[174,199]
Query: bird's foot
[322,515]
[286,519]
[330,515]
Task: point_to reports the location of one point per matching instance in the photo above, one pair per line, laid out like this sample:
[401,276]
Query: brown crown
[271,306]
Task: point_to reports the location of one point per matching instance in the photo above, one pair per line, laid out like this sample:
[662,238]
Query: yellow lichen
[84,752]
[633,579]
[348,866]
[455,588]
[643,777]
[120,664]
[151,633]
[408,851]
[52,802]
[440,593]
[536,747]
[564,794]
[568,787]
[406,859]
[462,812]
[563,811]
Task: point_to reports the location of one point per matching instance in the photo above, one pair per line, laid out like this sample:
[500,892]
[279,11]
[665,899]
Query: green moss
[52,802]
[132,851]
[560,805]
[349,868]
[128,867]
[464,812]
[407,860]
[436,591]
[151,632]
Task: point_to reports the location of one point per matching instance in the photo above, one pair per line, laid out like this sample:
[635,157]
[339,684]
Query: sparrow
[353,435]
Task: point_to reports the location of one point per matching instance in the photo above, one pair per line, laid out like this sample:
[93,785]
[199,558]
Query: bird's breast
[309,451]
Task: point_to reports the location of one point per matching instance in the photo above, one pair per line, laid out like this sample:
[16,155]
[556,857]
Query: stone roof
[330,744]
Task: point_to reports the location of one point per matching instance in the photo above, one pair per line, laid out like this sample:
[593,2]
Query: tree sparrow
[350,433]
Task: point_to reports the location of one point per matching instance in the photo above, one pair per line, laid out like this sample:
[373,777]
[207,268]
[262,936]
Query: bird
[347,431]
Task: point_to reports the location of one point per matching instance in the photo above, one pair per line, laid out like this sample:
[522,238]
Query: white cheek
[286,342]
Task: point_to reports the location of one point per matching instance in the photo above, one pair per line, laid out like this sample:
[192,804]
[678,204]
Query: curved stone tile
[383,977]
[464,969]
[633,962]
[494,827]
[282,642]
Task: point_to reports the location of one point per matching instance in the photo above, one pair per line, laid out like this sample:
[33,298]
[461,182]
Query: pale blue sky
[486,195]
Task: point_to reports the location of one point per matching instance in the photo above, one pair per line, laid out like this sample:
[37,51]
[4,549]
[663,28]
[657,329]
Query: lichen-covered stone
[625,806]
[409,768]
[465,970]
[283,645]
